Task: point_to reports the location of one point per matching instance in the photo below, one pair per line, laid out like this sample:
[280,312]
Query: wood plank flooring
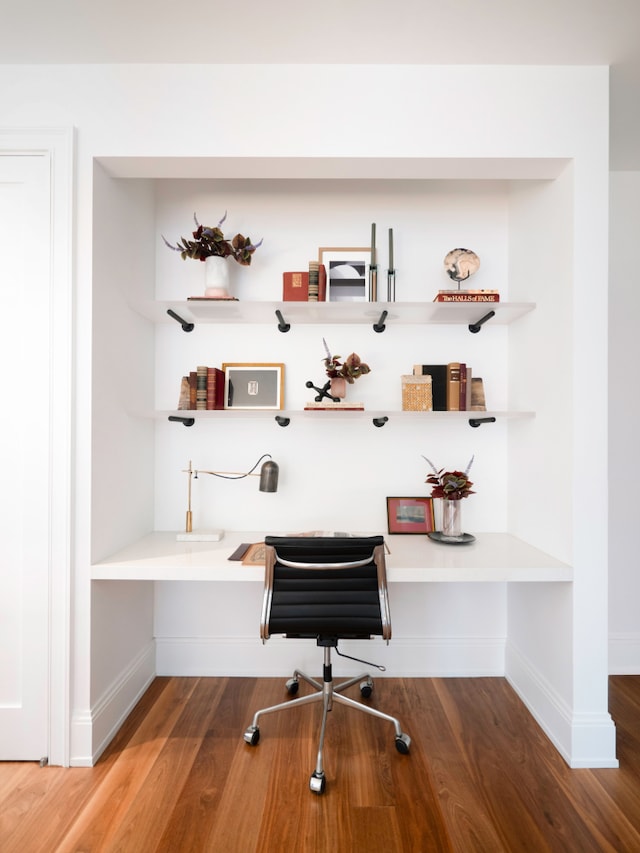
[481,777]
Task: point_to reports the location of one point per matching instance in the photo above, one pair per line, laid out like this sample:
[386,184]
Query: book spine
[218,402]
[453,386]
[295,286]
[463,387]
[322,283]
[478,403]
[211,388]
[467,297]
[438,374]
[193,389]
[336,408]
[314,280]
[201,387]
[184,399]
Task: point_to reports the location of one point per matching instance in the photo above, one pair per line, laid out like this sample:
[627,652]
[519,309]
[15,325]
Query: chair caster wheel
[402,743]
[252,735]
[317,783]
[366,688]
[292,686]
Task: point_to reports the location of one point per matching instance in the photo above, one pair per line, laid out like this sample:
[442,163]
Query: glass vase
[452,519]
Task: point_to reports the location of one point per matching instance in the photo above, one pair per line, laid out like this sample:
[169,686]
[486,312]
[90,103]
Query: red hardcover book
[215,388]
[295,286]
[322,283]
[455,296]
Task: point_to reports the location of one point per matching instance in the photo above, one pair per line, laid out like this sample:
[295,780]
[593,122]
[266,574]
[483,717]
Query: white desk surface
[493,557]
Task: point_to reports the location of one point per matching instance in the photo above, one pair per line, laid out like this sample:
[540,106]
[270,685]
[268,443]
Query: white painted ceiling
[468,32]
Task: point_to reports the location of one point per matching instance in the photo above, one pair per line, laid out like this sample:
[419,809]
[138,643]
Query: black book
[438,373]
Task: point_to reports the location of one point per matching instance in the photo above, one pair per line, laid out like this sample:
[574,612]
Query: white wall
[456,113]
[624,414]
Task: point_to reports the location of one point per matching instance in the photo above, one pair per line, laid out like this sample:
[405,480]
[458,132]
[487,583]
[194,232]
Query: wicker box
[416,393]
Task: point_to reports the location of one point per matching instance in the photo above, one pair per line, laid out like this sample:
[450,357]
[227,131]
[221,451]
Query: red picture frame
[410,515]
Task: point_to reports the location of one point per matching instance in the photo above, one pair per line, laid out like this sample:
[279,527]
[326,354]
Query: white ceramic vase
[216,277]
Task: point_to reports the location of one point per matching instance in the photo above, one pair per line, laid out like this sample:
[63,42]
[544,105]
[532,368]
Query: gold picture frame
[253,385]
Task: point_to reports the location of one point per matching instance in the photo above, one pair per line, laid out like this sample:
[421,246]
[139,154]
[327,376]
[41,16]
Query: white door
[25,456]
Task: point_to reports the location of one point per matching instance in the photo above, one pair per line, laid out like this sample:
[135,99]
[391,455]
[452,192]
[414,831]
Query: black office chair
[327,589]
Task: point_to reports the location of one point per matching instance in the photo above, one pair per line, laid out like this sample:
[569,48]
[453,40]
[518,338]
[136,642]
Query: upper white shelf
[493,557]
[215,311]
[329,414]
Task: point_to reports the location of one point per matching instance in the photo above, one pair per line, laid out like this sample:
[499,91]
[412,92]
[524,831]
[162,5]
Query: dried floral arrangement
[452,485]
[351,369]
[210,242]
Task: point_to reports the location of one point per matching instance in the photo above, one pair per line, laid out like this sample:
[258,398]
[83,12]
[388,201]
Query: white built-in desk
[493,557]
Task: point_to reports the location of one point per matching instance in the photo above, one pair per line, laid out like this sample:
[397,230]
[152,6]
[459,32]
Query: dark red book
[215,388]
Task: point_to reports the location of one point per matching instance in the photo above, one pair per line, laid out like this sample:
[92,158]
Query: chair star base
[327,692]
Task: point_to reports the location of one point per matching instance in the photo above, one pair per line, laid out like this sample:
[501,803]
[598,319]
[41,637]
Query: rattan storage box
[416,393]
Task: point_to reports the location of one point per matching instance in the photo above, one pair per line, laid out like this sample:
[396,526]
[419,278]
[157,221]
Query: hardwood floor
[480,778]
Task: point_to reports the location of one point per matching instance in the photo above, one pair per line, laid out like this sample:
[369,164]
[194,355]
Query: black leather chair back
[325,587]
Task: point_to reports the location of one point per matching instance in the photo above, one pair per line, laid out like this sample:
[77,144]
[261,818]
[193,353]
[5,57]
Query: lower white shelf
[493,557]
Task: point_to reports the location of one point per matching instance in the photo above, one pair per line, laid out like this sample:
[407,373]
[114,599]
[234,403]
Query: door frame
[57,146]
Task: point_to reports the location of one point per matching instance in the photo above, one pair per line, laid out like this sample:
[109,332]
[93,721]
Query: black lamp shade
[269,476]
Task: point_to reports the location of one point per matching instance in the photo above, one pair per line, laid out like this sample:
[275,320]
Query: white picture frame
[347,272]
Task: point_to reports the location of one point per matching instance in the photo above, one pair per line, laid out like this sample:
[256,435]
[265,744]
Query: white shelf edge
[493,558]
[414,313]
[233,414]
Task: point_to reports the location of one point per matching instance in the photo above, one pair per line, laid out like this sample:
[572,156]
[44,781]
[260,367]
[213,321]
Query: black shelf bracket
[186,327]
[380,326]
[188,422]
[282,421]
[282,326]
[475,422]
[380,422]
[474,328]
[322,392]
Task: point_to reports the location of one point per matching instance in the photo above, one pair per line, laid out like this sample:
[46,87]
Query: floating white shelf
[330,414]
[414,313]
[493,557]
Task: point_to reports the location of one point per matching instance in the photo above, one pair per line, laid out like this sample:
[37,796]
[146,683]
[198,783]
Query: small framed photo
[347,272]
[410,515]
[253,386]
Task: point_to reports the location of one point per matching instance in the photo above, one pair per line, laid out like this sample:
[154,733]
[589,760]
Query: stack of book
[202,389]
[453,388]
[327,404]
[467,296]
[307,286]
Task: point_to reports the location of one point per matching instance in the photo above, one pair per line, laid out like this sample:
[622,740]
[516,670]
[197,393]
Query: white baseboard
[583,739]
[405,657]
[93,730]
[624,654]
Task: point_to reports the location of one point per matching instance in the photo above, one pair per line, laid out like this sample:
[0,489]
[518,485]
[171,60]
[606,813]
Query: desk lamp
[268,483]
